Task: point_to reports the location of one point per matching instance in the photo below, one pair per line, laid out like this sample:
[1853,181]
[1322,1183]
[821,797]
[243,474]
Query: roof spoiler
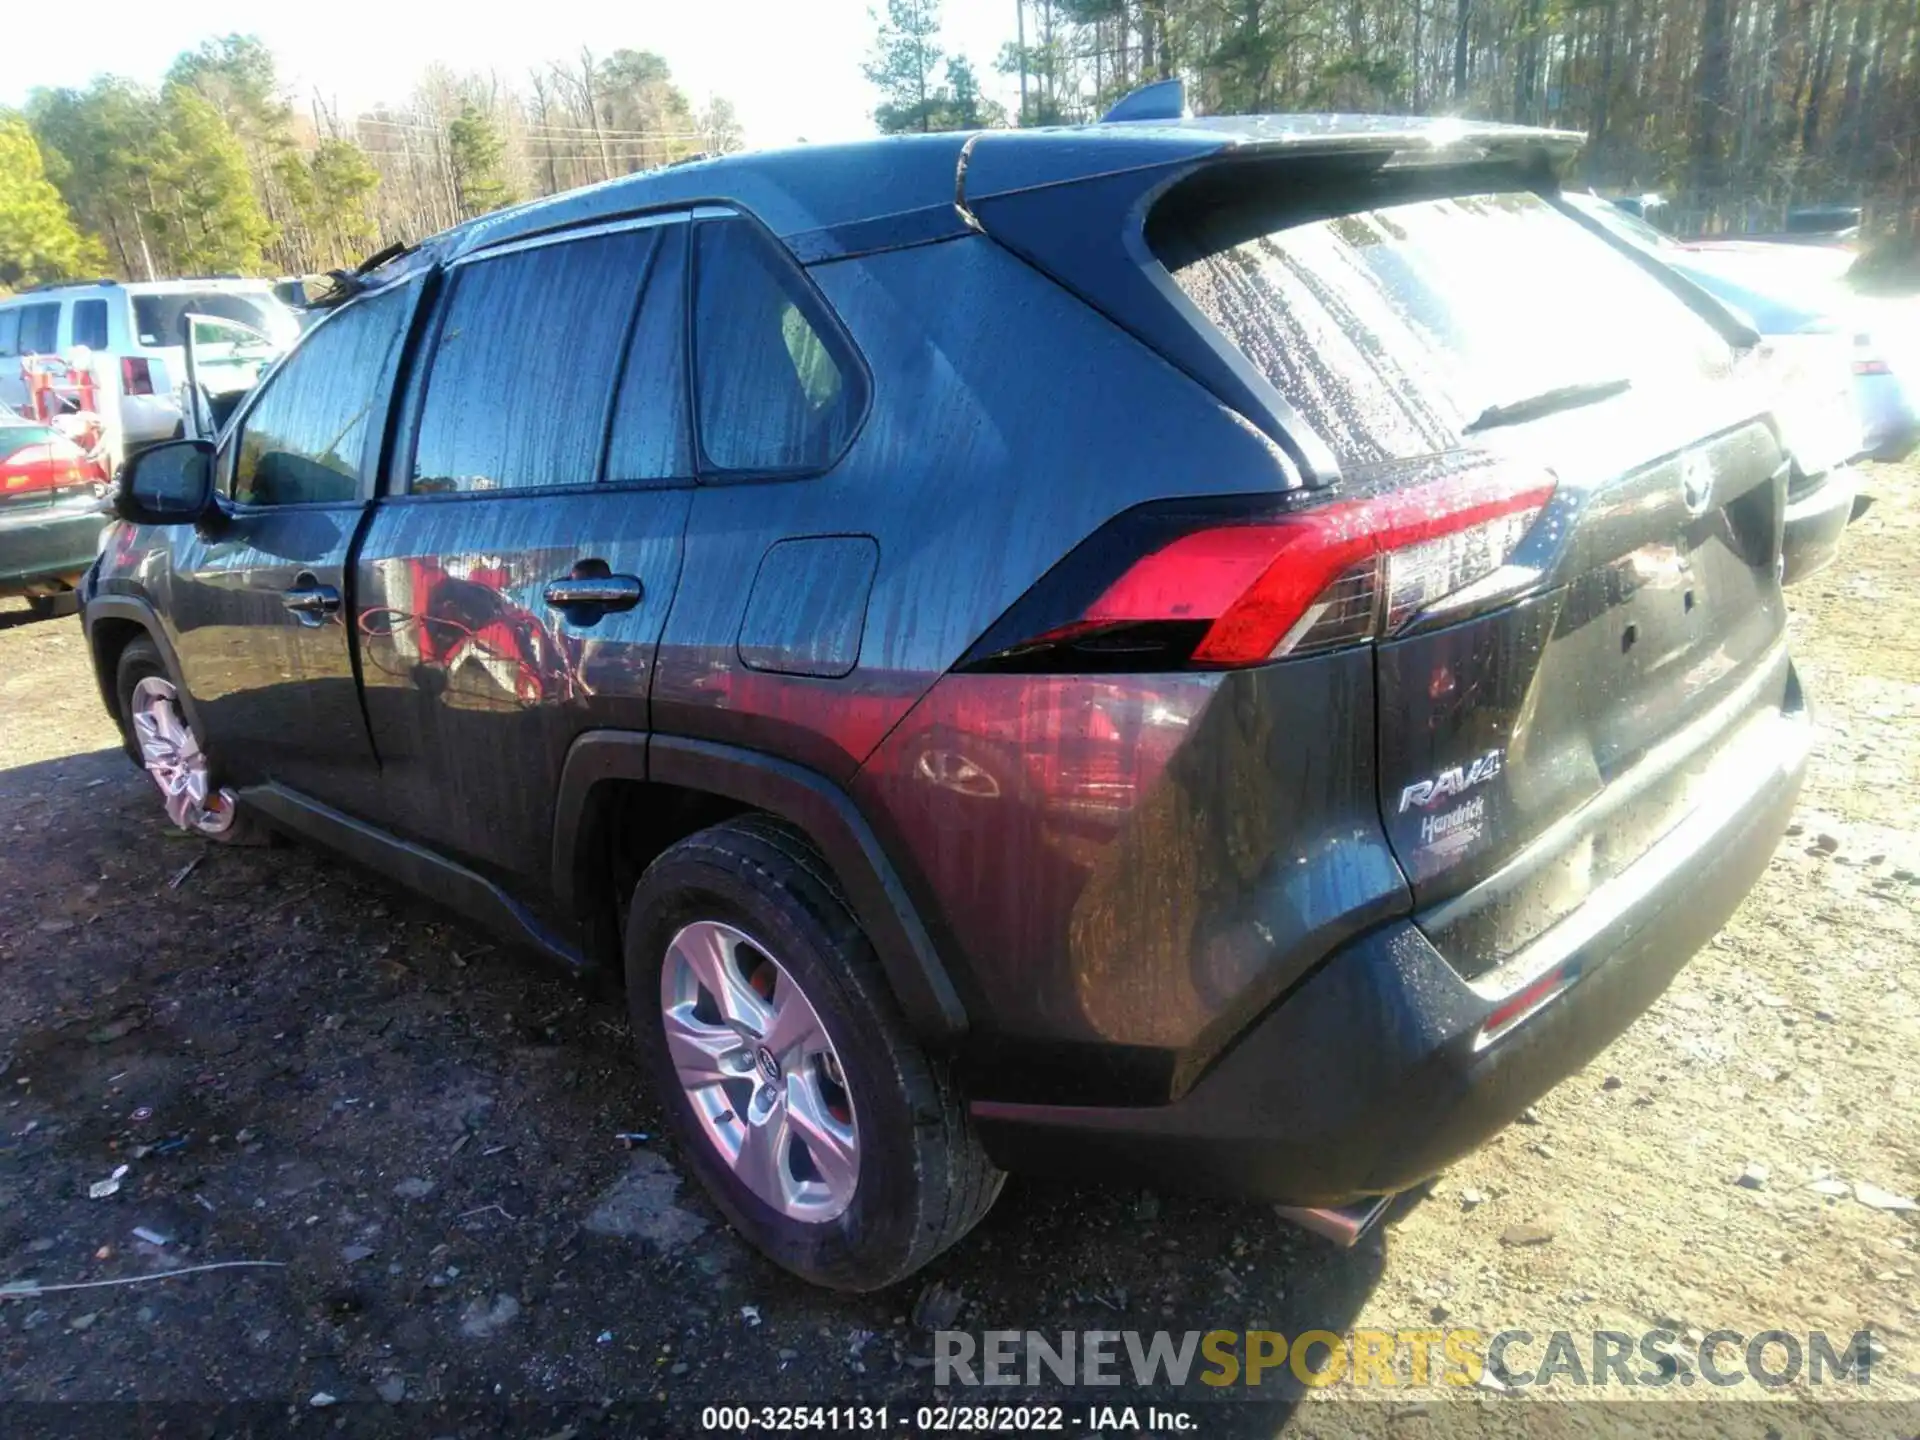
[1162,100]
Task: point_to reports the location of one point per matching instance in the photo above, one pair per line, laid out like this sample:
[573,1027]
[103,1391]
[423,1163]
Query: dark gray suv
[1227,653]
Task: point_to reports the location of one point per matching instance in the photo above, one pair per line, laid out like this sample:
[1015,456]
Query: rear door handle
[310,600]
[594,592]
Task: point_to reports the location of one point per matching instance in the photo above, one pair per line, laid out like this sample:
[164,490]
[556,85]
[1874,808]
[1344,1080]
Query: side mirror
[170,484]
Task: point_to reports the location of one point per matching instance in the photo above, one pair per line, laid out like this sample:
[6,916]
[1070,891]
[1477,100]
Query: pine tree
[341,182]
[236,74]
[965,108]
[214,223]
[906,52]
[102,147]
[38,239]
[476,153]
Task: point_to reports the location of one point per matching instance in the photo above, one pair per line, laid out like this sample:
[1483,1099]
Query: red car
[51,514]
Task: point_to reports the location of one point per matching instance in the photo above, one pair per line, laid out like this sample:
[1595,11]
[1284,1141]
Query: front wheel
[166,747]
[827,1135]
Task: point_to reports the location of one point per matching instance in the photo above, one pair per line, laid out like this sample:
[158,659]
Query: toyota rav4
[1224,653]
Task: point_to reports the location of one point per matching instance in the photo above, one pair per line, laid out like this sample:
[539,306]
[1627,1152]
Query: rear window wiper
[1547,402]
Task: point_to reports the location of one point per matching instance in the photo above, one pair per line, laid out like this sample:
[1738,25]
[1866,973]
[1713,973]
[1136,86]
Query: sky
[790,67]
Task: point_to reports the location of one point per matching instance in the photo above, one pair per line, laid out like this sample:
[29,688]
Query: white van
[138,324]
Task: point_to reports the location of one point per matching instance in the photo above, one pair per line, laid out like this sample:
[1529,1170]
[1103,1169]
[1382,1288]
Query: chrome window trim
[586,232]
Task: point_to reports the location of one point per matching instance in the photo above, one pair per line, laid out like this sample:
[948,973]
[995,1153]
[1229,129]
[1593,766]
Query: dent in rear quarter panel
[1007,422]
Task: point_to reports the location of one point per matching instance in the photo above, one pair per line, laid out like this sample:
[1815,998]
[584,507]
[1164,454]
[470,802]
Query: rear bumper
[148,419]
[1890,418]
[1815,524]
[1373,1074]
[46,546]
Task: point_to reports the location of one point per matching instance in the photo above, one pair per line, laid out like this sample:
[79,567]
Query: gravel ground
[297,1064]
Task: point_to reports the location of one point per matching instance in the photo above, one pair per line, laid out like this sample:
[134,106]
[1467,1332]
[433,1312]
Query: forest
[1734,110]
[218,171]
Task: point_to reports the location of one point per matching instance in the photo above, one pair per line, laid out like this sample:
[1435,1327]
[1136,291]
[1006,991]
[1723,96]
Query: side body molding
[831,820]
[414,866]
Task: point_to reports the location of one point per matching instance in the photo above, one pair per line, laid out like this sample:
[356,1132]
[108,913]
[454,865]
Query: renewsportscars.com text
[1385,1359]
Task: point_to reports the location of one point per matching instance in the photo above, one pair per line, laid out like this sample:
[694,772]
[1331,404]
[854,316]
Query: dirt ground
[297,1064]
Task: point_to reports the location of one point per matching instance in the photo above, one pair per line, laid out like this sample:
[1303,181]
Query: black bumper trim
[38,546]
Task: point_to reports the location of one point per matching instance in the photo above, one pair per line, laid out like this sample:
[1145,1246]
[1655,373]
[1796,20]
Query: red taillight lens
[1871,366]
[1224,595]
[136,376]
[30,468]
[1524,1002]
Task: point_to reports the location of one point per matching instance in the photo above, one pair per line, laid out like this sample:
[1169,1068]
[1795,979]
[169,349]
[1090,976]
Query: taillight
[136,376]
[1866,355]
[1207,588]
[30,468]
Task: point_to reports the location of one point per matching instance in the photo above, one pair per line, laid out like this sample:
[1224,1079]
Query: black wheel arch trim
[139,612]
[818,807]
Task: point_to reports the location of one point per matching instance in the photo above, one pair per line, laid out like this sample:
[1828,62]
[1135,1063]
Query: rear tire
[922,1179]
[221,819]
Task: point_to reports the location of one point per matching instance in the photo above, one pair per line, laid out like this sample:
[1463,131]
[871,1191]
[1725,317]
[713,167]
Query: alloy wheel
[763,1078]
[173,757]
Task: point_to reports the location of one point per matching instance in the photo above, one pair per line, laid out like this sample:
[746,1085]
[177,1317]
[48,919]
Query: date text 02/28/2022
[943,1419]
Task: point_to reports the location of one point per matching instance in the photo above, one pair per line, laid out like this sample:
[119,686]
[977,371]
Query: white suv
[138,324]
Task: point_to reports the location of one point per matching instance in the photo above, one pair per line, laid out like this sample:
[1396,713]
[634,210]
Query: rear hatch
[1556,691]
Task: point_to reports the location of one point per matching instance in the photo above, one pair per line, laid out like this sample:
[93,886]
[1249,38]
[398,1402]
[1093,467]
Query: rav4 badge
[1452,781]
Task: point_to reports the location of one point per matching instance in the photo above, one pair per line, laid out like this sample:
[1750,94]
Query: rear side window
[156,318]
[1391,330]
[651,425]
[39,329]
[523,371]
[90,324]
[304,439]
[10,332]
[775,389]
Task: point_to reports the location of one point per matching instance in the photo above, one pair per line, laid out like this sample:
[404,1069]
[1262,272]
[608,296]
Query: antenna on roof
[1162,100]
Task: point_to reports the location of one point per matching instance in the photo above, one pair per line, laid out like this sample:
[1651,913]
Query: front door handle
[594,592]
[311,601]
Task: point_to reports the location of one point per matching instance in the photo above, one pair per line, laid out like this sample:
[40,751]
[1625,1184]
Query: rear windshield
[157,317]
[1392,330]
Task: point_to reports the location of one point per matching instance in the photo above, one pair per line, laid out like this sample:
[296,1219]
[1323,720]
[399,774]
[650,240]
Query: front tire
[834,1143]
[163,742]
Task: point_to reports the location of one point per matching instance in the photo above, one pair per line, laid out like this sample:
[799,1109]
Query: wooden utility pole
[1020,41]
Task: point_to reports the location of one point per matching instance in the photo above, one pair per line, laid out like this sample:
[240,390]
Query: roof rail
[66,284]
[1162,100]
